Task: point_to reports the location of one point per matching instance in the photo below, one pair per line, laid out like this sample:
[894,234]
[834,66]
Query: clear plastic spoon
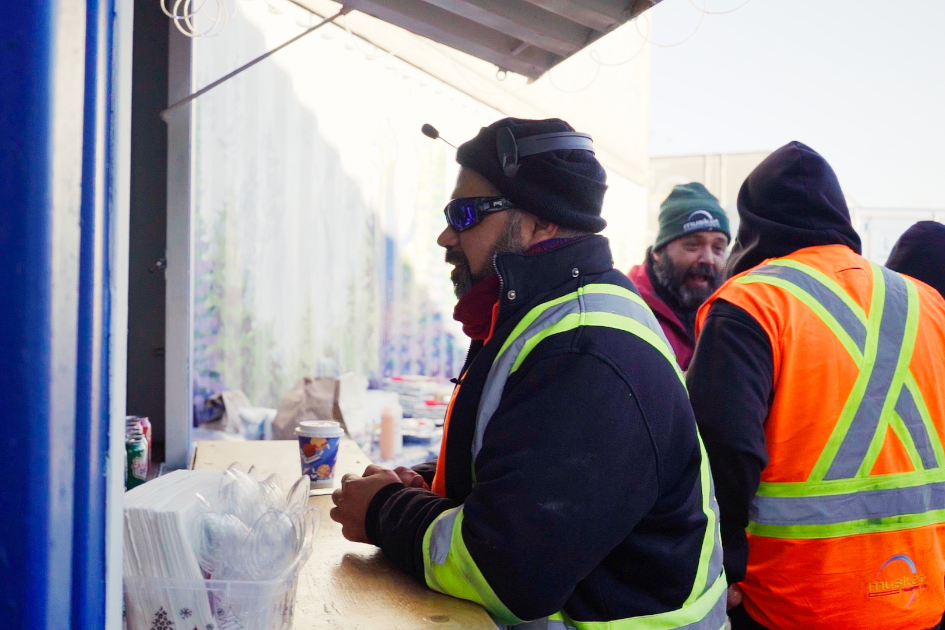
[297,498]
[271,545]
[272,491]
[217,542]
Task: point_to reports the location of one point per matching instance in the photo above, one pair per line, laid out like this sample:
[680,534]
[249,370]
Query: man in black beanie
[571,488]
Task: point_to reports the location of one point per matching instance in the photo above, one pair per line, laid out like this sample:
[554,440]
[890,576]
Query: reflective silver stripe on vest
[827,298]
[843,508]
[715,561]
[907,410]
[715,618]
[606,303]
[892,329]
[502,366]
[442,536]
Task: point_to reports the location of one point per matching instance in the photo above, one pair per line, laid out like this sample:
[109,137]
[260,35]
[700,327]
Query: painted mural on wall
[316,218]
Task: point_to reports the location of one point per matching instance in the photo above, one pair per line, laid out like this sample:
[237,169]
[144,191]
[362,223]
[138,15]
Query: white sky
[860,81]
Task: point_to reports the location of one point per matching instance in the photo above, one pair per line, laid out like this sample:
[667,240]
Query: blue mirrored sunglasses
[466,212]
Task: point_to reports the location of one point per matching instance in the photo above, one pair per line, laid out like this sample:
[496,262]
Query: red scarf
[474,310]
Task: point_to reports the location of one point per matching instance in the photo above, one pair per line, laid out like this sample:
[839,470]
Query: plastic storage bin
[169,604]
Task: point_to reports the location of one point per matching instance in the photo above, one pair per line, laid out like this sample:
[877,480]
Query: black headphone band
[530,145]
[510,150]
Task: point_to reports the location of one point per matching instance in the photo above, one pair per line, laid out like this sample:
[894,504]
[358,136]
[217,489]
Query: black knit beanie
[565,187]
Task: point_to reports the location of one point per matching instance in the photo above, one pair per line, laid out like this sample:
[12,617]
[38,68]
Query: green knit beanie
[690,208]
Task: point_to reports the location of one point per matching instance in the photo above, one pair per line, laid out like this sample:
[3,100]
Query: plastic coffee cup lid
[319,428]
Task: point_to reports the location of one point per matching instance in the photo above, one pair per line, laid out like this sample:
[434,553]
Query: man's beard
[674,279]
[510,241]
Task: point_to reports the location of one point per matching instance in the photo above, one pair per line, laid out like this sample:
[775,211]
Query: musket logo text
[700,220]
[892,580]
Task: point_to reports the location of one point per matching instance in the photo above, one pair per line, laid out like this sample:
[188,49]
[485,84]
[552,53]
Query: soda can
[132,424]
[146,429]
[136,449]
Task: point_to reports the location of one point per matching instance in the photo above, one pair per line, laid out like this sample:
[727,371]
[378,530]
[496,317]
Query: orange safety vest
[439,478]
[847,528]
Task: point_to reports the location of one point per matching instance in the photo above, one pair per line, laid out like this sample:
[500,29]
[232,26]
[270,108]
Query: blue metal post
[92,400]
[53,146]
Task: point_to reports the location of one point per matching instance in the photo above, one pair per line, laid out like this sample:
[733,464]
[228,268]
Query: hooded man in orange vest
[817,384]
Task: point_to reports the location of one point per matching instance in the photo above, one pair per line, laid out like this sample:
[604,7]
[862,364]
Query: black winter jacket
[587,493]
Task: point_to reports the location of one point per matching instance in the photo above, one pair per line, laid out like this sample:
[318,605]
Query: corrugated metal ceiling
[528,37]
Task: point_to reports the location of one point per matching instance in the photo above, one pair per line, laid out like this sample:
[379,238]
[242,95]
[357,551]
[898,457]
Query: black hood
[920,253]
[791,200]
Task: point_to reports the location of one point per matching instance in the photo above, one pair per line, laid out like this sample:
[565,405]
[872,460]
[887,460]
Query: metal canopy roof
[613,105]
[528,37]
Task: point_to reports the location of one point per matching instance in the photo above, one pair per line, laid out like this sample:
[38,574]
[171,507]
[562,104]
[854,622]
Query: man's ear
[657,253]
[541,231]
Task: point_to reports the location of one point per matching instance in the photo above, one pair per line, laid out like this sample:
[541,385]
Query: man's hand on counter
[409,477]
[353,498]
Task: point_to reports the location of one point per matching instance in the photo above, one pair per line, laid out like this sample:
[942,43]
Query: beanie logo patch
[701,220]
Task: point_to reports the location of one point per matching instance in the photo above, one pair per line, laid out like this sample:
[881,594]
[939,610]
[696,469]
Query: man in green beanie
[684,266]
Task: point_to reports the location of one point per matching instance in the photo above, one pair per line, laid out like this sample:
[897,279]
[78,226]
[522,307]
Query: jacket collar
[524,277]
[641,278]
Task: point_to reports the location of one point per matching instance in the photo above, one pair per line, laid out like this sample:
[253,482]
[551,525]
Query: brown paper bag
[310,398]
[231,401]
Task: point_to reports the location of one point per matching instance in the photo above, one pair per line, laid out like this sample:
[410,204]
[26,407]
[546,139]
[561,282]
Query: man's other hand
[734,596]
[410,478]
[407,476]
[353,498]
